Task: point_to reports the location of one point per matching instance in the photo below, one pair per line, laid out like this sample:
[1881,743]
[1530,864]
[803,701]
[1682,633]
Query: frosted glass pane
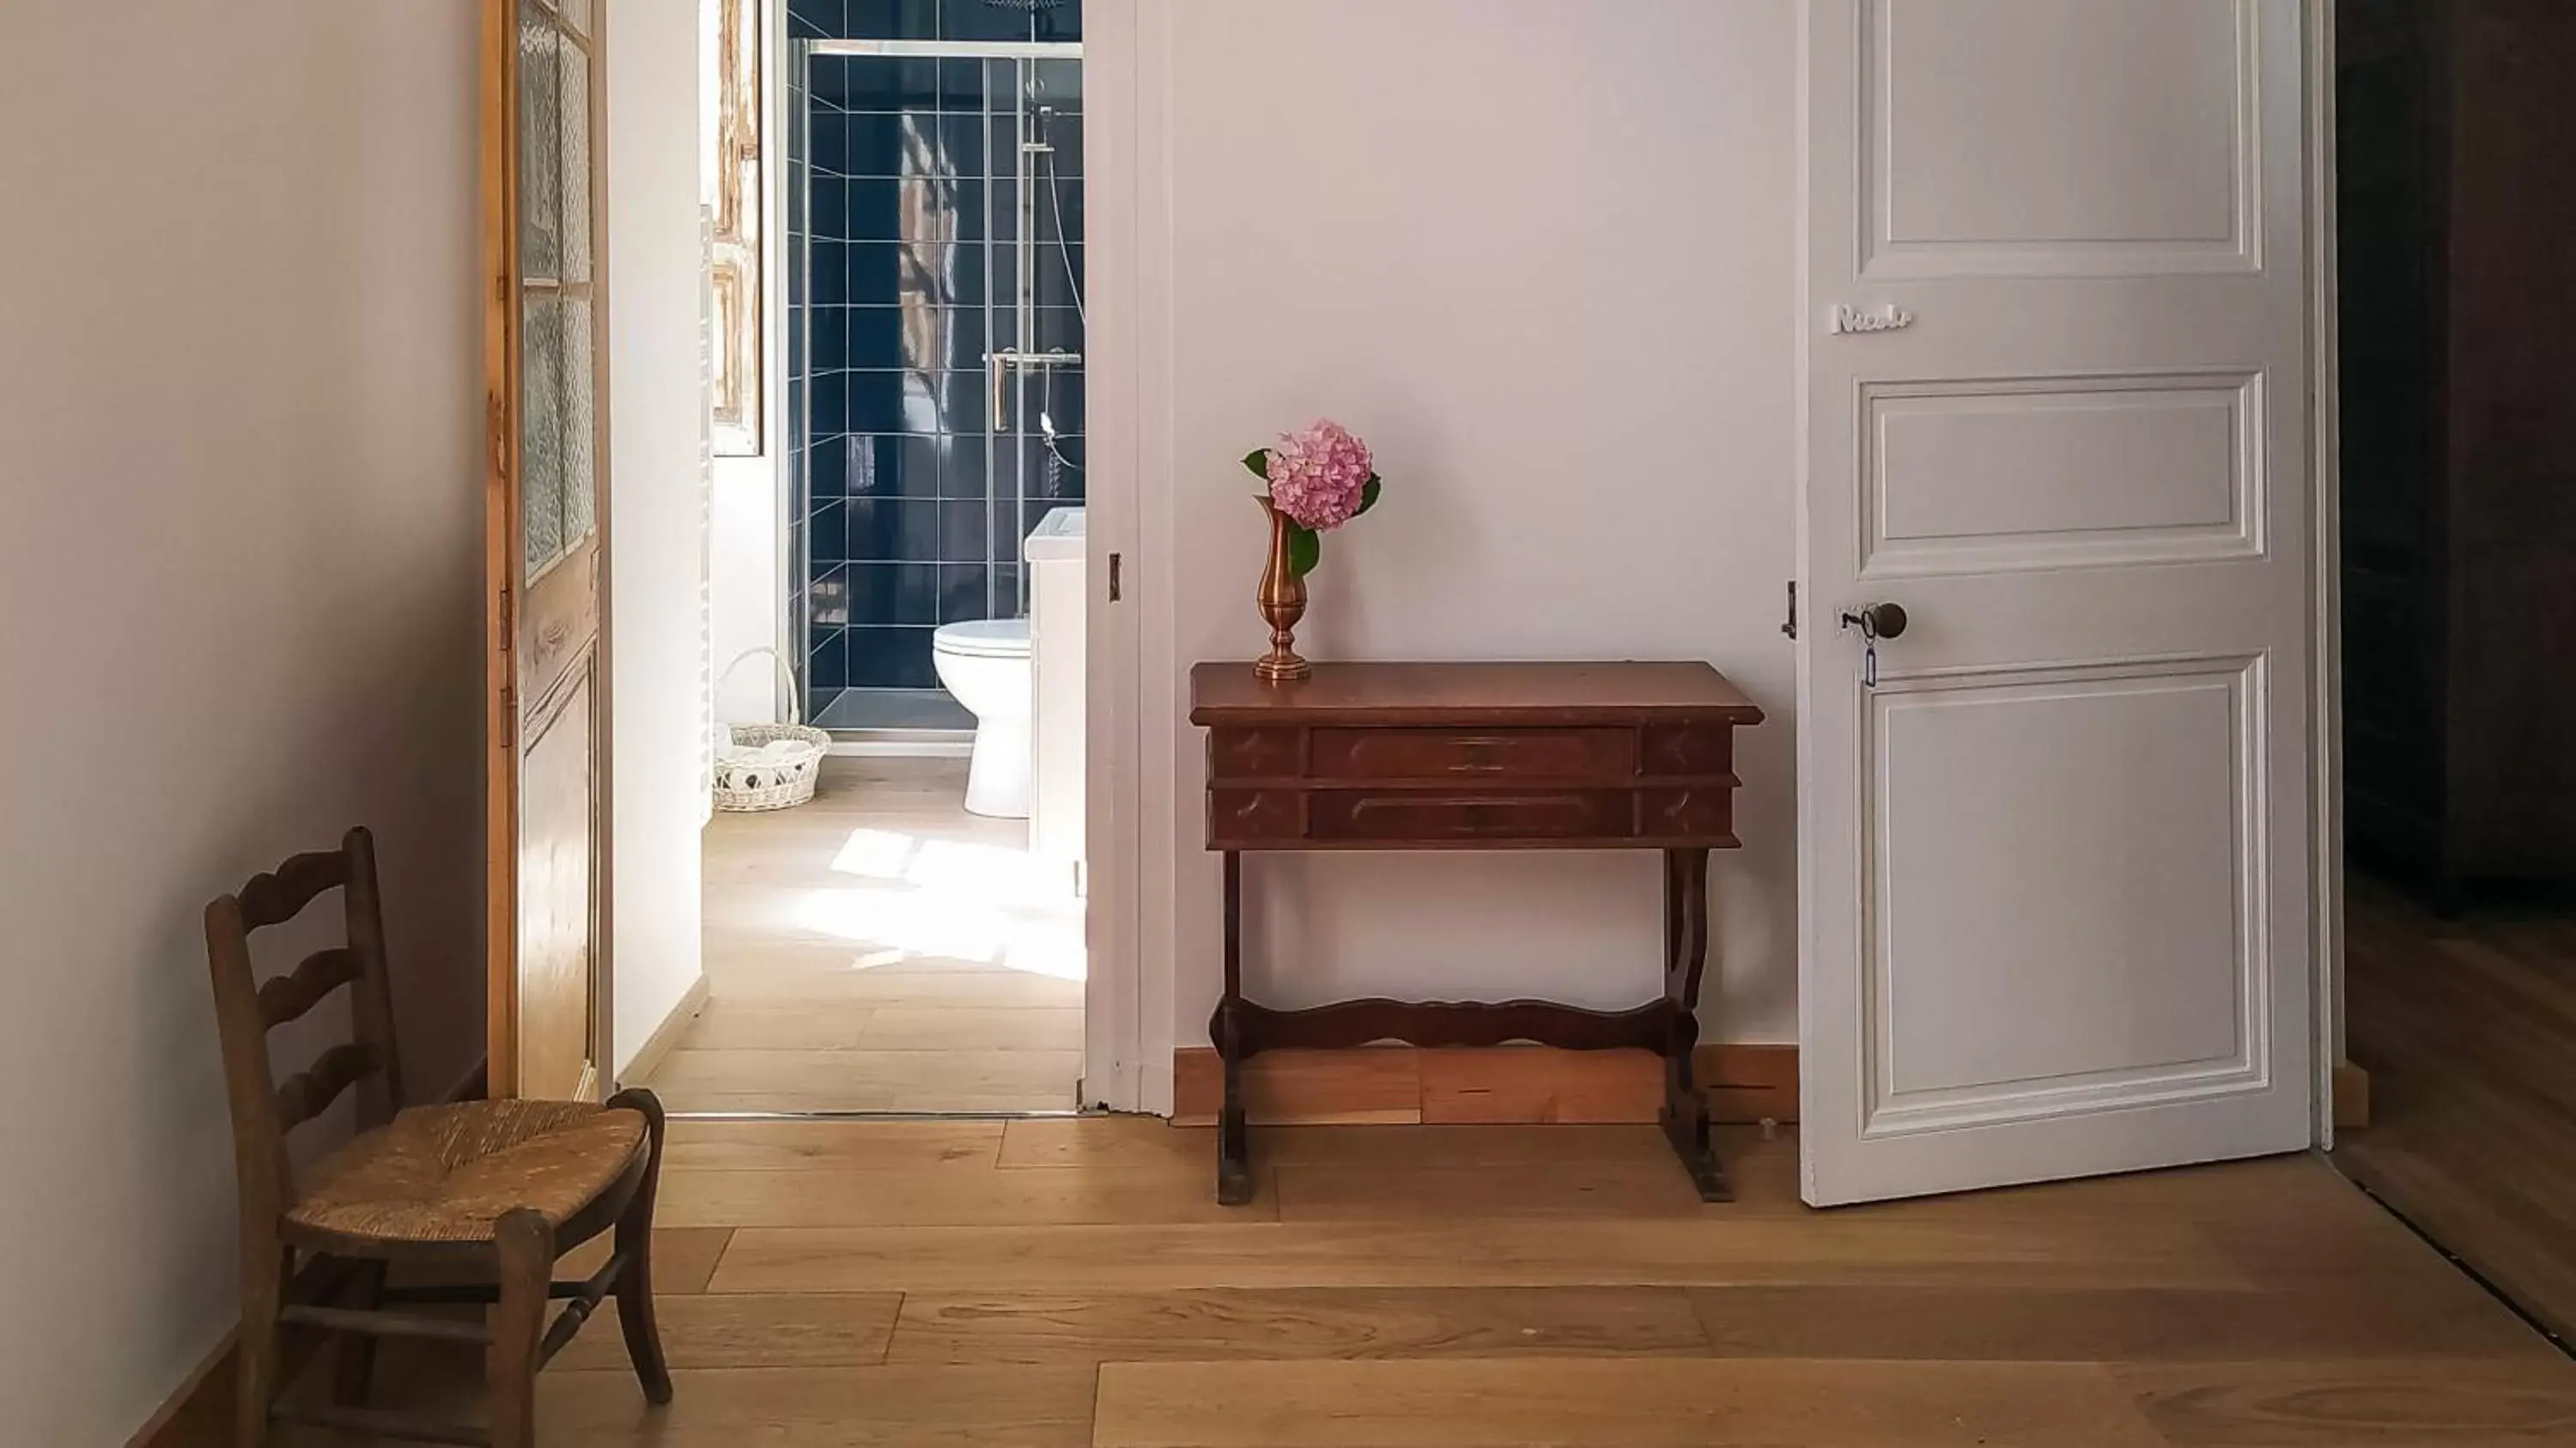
[541,204]
[576,13]
[573,119]
[541,432]
[581,434]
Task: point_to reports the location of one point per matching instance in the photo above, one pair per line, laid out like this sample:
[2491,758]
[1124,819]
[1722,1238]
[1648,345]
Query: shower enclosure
[935,315]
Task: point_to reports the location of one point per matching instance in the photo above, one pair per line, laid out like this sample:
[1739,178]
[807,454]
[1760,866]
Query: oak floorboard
[838,1407]
[862,1080]
[828,1145]
[1615,1403]
[836,977]
[2525,1403]
[2139,1324]
[683,1259]
[969,1028]
[733,1024]
[1538,1252]
[2265,1304]
[1602,1189]
[1280,1323]
[773,1330]
[1134,1142]
[972,1195]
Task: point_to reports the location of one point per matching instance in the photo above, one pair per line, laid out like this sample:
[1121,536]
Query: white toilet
[985,664]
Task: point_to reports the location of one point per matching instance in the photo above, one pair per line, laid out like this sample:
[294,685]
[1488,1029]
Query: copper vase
[1283,602]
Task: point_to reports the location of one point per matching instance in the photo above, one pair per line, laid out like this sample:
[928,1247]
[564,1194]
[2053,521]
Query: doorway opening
[2458,457]
[912,940]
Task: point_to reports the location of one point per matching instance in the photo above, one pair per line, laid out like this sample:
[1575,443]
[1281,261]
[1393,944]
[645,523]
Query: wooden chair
[476,1191]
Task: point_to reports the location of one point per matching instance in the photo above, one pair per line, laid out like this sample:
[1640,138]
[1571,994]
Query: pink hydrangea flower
[1318,476]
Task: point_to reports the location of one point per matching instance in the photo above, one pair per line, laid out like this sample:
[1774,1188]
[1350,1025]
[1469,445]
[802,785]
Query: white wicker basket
[749,775]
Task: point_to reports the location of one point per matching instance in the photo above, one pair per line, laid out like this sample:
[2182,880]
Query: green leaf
[1305,550]
[1368,495]
[1257,462]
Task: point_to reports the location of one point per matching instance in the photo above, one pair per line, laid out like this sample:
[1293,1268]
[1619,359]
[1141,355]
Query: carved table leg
[1233,1140]
[1685,1113]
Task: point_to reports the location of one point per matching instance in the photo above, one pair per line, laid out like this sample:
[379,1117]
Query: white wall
[749,593]
[1542,256]
[656,519]
[239,573]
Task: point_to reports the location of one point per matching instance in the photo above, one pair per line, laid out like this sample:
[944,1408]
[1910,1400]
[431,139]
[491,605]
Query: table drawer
[1424,816]
[1689,749]
[1255,817]
[1578,754]
[1255,753]
[1705,813]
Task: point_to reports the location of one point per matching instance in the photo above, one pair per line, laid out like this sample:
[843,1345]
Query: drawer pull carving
[1255,815]
[1253,754]
[1690,812]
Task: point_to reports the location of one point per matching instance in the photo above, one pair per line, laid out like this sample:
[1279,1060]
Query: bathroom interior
[911,940]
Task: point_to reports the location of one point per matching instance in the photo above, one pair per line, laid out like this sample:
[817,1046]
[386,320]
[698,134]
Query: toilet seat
[991,638]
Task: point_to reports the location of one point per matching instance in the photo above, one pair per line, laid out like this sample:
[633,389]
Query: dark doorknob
[1879,620]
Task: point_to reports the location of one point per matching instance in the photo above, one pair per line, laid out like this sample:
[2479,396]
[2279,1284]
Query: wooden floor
[881,949]
[1071,1283]
[2468,1030]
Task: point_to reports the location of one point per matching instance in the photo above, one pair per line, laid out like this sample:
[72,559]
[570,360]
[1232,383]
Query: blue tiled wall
[910,518]
[931,20]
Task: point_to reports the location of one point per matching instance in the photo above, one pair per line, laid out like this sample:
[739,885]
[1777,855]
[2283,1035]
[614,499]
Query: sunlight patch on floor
[933,900]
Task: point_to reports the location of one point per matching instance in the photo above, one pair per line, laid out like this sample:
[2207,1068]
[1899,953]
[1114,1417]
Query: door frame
[1133,700]
[2325,484]
[505,713]
[1127,1017]
[2325,419]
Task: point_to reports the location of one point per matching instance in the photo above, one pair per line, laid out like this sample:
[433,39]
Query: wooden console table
[1475,757]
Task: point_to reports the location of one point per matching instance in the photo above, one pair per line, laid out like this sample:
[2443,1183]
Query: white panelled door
[2057,872]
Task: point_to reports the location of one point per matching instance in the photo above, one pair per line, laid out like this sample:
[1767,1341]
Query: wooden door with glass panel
[545,543]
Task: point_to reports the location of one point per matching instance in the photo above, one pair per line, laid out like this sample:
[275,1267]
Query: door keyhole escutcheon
[1878,620]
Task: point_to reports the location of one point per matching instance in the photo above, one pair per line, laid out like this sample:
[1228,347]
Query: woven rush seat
[448,1173]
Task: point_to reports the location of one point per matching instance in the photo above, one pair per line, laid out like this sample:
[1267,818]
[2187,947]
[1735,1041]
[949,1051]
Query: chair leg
[527,1259]
[260,1351]
[635,1239]
[355,1364]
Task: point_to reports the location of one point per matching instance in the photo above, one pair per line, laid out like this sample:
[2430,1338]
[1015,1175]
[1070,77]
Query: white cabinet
[1056,552]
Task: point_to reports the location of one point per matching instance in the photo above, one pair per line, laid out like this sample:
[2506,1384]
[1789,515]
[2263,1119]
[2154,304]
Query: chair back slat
[281,894]
[287,997]
[246,1010]
[308,1094]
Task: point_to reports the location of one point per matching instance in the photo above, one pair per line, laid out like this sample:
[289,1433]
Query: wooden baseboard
[200,1414]
[2351,1096]
[1500,1085]
[658,1045]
